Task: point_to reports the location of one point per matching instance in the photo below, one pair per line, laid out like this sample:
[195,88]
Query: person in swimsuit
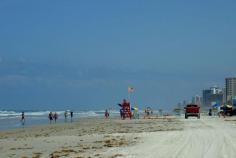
[50,116]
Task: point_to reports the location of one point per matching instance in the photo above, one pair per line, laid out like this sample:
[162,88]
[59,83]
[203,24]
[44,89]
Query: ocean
[12,119]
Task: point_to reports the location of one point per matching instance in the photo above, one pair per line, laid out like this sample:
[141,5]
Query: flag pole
[130,90]
[129,100]
[128,96]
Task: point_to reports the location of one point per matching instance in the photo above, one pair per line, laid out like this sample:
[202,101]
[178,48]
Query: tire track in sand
[204,138]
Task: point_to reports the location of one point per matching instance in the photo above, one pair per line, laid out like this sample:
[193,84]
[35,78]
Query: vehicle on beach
[230,112]
[192,110]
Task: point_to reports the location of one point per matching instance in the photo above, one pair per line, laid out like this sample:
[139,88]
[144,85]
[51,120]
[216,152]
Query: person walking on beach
[50,116]
[121,113]
[55,116]
[71,116]
[106,114]
[23,118]
[65,115]
[210,112]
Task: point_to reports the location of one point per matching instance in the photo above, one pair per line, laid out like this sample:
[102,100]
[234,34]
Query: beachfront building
[197,100]
[230,89]
[212,96]
[185,103]
[234,101]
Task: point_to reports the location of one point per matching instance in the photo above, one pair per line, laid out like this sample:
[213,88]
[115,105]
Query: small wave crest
[15,114]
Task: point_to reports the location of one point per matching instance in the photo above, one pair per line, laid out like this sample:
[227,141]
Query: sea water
[12,119]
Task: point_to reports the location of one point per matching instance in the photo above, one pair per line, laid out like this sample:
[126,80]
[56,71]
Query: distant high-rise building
[234,102]
[216,90]
[197,100]
[224,95]
[211,96]
[230,88]
[185,103]
[206,93]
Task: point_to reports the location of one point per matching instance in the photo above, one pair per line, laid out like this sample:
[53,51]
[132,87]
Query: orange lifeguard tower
[125,111]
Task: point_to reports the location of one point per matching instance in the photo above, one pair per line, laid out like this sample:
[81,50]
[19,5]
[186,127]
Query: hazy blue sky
[73,54]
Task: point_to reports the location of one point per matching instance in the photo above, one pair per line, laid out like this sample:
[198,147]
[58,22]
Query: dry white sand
[204,138]
[150,138]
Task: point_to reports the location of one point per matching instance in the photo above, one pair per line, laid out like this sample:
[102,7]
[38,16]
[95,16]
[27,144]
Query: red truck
[192,110]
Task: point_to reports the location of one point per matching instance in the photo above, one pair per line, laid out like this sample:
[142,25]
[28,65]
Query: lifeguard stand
[125,110]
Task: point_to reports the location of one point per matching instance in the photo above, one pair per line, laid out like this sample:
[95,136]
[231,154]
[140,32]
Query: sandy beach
[163,138]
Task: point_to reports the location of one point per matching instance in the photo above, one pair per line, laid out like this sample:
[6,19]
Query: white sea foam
[15,114]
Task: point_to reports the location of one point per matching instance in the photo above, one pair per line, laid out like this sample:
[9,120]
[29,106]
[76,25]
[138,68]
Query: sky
[84,54]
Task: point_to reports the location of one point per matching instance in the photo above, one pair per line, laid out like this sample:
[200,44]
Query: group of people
[66,113]
[220,112]
[148,111]
[52,116]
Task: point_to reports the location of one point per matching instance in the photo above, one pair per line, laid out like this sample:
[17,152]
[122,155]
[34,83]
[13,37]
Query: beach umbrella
[134,108]
[226,106]
[215,105]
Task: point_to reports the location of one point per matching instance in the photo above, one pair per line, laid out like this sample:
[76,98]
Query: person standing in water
[55,116]
[65,115]
[71,116]
[23,118]
[50,117]
[106,114]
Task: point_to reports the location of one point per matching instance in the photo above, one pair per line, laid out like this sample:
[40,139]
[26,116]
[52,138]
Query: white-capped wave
[15,114]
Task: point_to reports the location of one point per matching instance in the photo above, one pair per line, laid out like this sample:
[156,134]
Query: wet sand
[95,137]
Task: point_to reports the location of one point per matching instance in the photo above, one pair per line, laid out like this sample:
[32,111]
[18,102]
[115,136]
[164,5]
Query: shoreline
[95,136]
[15,123]
[83,138]
[162,137]
[12,119]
